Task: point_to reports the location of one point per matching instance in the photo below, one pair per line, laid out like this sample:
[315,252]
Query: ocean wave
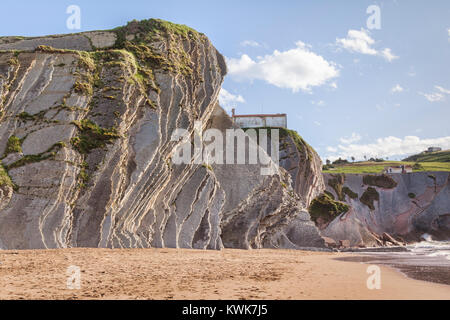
[431,248]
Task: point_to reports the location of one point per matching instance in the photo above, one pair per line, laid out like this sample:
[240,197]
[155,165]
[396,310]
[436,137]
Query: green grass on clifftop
[378,167]
[300,143]
[441,156]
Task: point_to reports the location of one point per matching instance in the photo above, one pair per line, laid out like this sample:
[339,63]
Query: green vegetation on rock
[13,62]
[50,153]
[84,175]
[418,167]
[328,193]
[381,181]
[349,192]
[326,208]
[92,136]
[411,195]
[137,36]
[5,178]
[146,30]
[439,156]
[369,197]
[40,116]
[84,88]
[14,145]
[49,49]
[374,167]
[300,143]
[337,183]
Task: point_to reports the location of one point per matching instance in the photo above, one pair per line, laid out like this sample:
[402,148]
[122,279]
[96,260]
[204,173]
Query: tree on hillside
[340,161]
[353,159]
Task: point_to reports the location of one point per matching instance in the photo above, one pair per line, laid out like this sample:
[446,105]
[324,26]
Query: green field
[440,156]
[378,167]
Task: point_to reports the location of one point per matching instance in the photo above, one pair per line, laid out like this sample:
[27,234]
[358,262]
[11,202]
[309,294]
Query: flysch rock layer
[85,140]
[418,204]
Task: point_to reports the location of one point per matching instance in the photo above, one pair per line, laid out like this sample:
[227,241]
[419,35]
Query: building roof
[259,115]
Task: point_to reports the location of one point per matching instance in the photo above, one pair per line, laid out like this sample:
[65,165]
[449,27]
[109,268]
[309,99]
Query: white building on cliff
[278,120]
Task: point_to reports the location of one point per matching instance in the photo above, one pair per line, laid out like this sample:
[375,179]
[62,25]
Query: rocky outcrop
[85,139]
[389,209]
[303,164]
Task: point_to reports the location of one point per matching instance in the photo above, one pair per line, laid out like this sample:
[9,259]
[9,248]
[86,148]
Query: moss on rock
[14,145]
[369,197]
[5,179]
[337,183]
[352,195]
[92,136]
[381,181]
[326,208]
[50,153]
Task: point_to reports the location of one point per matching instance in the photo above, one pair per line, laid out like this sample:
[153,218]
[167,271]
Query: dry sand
[192,274]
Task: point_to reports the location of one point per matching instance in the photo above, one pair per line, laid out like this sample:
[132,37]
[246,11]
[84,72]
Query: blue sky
[347,89]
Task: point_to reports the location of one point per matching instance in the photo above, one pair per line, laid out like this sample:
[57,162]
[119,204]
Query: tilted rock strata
[304,165]
[95,170]
[419,203]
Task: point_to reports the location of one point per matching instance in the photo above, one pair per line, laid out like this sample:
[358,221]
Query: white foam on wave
[431,248]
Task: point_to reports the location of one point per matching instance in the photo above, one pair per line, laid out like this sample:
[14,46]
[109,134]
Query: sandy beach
[192,274]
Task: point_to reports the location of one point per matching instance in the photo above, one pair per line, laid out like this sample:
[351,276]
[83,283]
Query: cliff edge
[85,144]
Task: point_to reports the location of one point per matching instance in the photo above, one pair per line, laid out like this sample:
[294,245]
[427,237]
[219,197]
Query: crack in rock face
[93,114]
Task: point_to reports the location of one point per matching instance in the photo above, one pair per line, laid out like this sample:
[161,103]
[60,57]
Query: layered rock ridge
[376,210]
[85,143]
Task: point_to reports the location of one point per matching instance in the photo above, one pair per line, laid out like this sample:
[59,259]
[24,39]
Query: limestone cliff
[85,144]
[375,207]
[304,165]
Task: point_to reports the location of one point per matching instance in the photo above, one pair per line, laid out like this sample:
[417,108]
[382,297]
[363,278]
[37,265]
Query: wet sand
[414,267]
[193,274]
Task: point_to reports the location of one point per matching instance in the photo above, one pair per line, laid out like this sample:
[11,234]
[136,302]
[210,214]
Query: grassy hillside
[441,156]
[377,167]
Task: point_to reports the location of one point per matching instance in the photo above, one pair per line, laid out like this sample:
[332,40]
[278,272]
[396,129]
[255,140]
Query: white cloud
[388,55]
[436,96]
[352,139]
[331,149]
[250,43]
[388,147]
[317,123]
[296,69]
[446,91]
[433,97]
[229,100]
[319,103]
[397,88]
[359,41]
